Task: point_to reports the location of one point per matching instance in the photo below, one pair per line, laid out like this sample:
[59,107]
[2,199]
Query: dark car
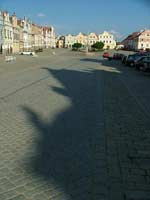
[118,56]
[146,64]
[139,62]
[130,60]
[123,60]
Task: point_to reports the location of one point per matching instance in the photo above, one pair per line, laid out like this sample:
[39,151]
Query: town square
[74,106]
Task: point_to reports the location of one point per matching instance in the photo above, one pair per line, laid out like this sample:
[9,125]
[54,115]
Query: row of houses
[22,34]
[138,40]
[88,40]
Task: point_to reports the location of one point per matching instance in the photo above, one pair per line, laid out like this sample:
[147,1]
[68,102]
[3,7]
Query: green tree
[76,46]
[98,45]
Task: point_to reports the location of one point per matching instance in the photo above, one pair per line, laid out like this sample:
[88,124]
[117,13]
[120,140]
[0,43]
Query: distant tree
[98,45]
[76,46]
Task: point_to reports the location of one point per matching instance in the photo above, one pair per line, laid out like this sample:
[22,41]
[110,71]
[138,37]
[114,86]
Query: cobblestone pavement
[73,127]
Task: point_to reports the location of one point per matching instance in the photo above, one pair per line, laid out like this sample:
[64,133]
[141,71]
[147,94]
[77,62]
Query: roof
[133,36]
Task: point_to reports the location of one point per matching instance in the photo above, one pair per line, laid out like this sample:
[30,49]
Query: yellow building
[108,40]
[82,38]
[37,41]
[92,39]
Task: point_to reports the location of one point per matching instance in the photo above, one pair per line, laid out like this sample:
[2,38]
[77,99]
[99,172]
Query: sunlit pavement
[74,127]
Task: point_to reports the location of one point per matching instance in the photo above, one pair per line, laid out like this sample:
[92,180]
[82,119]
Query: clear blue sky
[73,16]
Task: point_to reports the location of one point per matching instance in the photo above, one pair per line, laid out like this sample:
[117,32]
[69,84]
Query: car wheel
[132,64]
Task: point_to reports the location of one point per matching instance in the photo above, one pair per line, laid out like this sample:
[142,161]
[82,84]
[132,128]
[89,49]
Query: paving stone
[137,195]
[81,129]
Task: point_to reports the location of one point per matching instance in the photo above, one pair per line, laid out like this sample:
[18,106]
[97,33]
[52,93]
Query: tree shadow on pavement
[65,147]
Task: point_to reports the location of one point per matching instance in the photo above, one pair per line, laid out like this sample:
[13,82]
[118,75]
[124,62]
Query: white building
[52,37]
[138,40]
[108,40]
[26,37]
[143,40]
[8,34]
[70,40]
[49,37]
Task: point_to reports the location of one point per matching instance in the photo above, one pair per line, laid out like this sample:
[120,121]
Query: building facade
[144,40]
[8,34]
[52,38]
[37,37]
[60,42]
[1,32]
[49,37]
[82,38]
[108,40]
[138,41]
[90,39]
[25,34]
[70,40]
[16,33]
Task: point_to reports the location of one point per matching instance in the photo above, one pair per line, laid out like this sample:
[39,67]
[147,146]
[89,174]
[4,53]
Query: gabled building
[16,33]
[130,42]
[92,39]
[49,37]
[143,40]
[108,40]
[37,37]
[137,40]
[26,34]
[70,40]
[8,34]
[82,38]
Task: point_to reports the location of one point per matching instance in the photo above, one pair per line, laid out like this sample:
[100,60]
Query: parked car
[130,60]
[139,62]
[123,60]
[118,56]
[31,53]
[106,55]
[145,64]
